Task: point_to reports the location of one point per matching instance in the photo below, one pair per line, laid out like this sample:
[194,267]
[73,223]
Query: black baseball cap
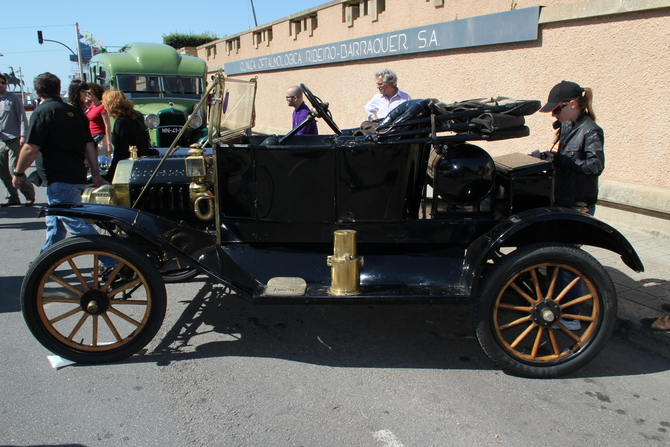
[563,92]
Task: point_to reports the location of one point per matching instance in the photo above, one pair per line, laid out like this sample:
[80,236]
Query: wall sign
[502,27]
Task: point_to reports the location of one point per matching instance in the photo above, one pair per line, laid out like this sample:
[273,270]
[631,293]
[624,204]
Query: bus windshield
[141,86]
[182,87]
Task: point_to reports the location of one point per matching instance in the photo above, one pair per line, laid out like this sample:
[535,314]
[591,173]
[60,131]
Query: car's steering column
[321,109]
[296,128]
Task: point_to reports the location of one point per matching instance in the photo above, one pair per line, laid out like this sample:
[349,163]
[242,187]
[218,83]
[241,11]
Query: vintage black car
[408,209]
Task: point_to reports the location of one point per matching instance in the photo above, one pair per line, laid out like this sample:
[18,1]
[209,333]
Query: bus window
[137,86]
[182,87]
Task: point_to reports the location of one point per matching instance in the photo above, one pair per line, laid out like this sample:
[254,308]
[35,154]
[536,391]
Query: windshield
[141,86]
[182,87]
[138,86]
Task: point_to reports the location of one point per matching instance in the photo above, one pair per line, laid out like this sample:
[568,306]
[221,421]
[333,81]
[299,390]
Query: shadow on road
[9,297]
[216,323]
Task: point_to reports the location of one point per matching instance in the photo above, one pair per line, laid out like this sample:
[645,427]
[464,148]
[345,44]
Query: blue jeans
[59,226]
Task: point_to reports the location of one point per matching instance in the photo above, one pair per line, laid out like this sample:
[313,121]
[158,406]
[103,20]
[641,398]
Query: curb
[648,339]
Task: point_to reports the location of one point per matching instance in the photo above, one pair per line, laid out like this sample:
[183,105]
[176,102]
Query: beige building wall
[619,48]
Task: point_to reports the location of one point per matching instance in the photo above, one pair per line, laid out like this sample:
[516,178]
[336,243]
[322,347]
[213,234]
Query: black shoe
[11,203]
[30,202]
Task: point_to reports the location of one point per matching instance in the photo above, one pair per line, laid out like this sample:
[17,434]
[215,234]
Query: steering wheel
[321,109]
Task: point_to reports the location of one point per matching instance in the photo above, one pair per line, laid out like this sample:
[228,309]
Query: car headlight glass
[152,121]
[196,121]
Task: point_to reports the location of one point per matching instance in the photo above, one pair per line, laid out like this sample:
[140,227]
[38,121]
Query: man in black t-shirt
[60,134]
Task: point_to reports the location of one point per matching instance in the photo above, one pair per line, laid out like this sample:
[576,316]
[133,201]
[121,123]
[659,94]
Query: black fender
[556,224]
[194,247]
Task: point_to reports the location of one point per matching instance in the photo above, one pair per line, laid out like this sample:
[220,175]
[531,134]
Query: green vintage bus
[163,84]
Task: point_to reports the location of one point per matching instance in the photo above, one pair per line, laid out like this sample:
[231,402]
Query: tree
[179,40]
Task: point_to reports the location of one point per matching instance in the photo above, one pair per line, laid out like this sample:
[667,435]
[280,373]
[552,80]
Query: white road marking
[387,438]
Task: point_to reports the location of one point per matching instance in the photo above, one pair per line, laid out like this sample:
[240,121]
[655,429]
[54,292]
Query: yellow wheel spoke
[567,289]
[77,272]
[124,316]
[568,331]
[111,327]
[124,287]
[95,330]
[65,315]
[538,291]
[577,301]
[112,276]
[517,308]
[515,322]
[78,326]
[96,273]
[538,342]
[523,294]
[132,302]
[523,335]
[554,343]
[69,287]
[585,318]
[552,284]
[47,299]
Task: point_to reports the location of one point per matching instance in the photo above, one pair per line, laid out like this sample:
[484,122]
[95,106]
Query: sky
[116,23]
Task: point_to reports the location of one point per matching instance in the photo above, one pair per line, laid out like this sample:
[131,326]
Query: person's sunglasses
[558,109]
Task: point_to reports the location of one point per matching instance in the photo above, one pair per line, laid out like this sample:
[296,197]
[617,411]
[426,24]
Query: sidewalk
[640,295]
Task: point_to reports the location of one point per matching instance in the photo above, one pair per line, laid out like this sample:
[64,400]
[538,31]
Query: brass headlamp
[199,190]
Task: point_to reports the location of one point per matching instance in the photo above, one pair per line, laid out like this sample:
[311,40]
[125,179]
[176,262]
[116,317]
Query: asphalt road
[223,372]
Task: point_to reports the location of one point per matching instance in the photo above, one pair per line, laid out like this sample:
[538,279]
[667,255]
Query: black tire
[81,317]
[518,307]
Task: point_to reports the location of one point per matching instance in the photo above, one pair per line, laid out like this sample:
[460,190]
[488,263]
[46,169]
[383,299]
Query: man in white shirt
[388,98]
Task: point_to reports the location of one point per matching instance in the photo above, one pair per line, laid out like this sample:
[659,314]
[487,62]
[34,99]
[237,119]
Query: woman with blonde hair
[128,130]
[578,159]
[577,154]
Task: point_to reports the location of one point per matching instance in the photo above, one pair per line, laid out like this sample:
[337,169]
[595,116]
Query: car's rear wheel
[86,315]
[525,306]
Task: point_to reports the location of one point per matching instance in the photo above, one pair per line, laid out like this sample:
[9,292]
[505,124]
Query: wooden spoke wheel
[85,313]
[530,304]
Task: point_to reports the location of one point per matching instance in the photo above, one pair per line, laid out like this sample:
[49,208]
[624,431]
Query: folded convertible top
[474,119]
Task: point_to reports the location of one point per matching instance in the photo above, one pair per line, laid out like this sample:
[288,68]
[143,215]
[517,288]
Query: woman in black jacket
[127,131]
[578,160]
[577,154]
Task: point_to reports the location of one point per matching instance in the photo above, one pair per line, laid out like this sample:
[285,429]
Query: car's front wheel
[85,314]
[545,310]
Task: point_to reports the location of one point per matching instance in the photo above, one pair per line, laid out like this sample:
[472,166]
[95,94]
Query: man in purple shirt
[301,112]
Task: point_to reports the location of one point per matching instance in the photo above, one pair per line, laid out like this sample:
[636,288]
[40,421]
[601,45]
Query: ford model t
[409,211]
